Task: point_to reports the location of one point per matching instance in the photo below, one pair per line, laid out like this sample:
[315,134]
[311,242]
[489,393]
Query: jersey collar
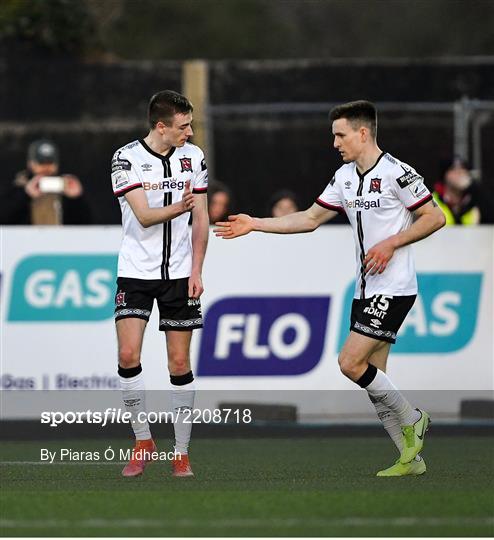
[155,154]
[373,166]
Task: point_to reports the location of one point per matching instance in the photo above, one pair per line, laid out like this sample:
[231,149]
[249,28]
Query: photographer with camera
[39,195]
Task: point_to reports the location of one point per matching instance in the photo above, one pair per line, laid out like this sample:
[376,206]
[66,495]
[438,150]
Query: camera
[51,184]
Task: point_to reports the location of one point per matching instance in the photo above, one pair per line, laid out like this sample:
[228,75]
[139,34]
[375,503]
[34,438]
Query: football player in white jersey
[389,208]
[159,181]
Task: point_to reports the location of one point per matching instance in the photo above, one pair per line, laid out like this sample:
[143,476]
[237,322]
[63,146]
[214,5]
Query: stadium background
[80,72]
[71,71]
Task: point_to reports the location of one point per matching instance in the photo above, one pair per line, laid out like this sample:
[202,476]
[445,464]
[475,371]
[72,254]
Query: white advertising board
[275,308]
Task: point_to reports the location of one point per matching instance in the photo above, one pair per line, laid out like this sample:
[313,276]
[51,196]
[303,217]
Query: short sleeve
[200,184]
[123,176]
[330,198]
[410,188]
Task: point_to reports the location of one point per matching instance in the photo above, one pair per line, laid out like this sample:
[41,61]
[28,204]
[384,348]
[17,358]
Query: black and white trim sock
[183,394]
[134,398]
[380,388]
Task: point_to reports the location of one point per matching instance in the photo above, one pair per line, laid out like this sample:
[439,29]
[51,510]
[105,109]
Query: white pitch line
[249,522]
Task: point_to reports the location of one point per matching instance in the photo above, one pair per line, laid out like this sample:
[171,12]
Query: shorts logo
[376,323]
[186,164]
[263,336]
[375,185]
[120,299]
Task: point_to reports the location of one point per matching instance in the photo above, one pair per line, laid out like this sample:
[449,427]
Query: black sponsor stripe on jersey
[362,254]
[360,232]
[167,226]
[167,239]
[360,229]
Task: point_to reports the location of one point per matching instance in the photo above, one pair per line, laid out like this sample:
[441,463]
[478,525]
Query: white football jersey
[379,203]
[162,251]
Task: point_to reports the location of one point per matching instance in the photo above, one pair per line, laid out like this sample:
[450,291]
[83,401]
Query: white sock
[134,398]
[182,401]
[382,389]
[390,423]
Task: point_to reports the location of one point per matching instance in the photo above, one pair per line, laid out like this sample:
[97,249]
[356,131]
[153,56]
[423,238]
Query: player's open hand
[237,225]
[378,257]
[187,198]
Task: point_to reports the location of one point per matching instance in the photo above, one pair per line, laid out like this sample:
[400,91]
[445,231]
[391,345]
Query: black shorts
[381,316]
[135,299]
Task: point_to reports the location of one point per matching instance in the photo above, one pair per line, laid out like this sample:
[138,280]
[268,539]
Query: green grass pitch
[253,487]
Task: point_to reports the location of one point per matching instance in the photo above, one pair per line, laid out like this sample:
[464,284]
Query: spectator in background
[456,195]
[219,201]
[283,203]
[28,186]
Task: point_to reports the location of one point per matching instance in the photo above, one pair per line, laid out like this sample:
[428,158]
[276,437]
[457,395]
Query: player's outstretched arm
[428,219]
[152,216]
[298,222]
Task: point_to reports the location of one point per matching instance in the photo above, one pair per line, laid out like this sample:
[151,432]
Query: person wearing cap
[43,160]
[455,195]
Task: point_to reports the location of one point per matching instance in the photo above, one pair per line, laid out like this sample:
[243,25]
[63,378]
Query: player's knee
[179,364]
[128,357]
[349,366]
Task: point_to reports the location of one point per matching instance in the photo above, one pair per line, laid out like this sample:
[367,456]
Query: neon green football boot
[414,468]
[413,437]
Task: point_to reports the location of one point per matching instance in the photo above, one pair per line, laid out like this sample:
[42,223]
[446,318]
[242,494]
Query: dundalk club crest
[186,164]
[375,185]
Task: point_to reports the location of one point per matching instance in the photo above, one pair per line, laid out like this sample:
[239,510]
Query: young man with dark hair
[164,105]
[357,113]
[159,181]
[389,208]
